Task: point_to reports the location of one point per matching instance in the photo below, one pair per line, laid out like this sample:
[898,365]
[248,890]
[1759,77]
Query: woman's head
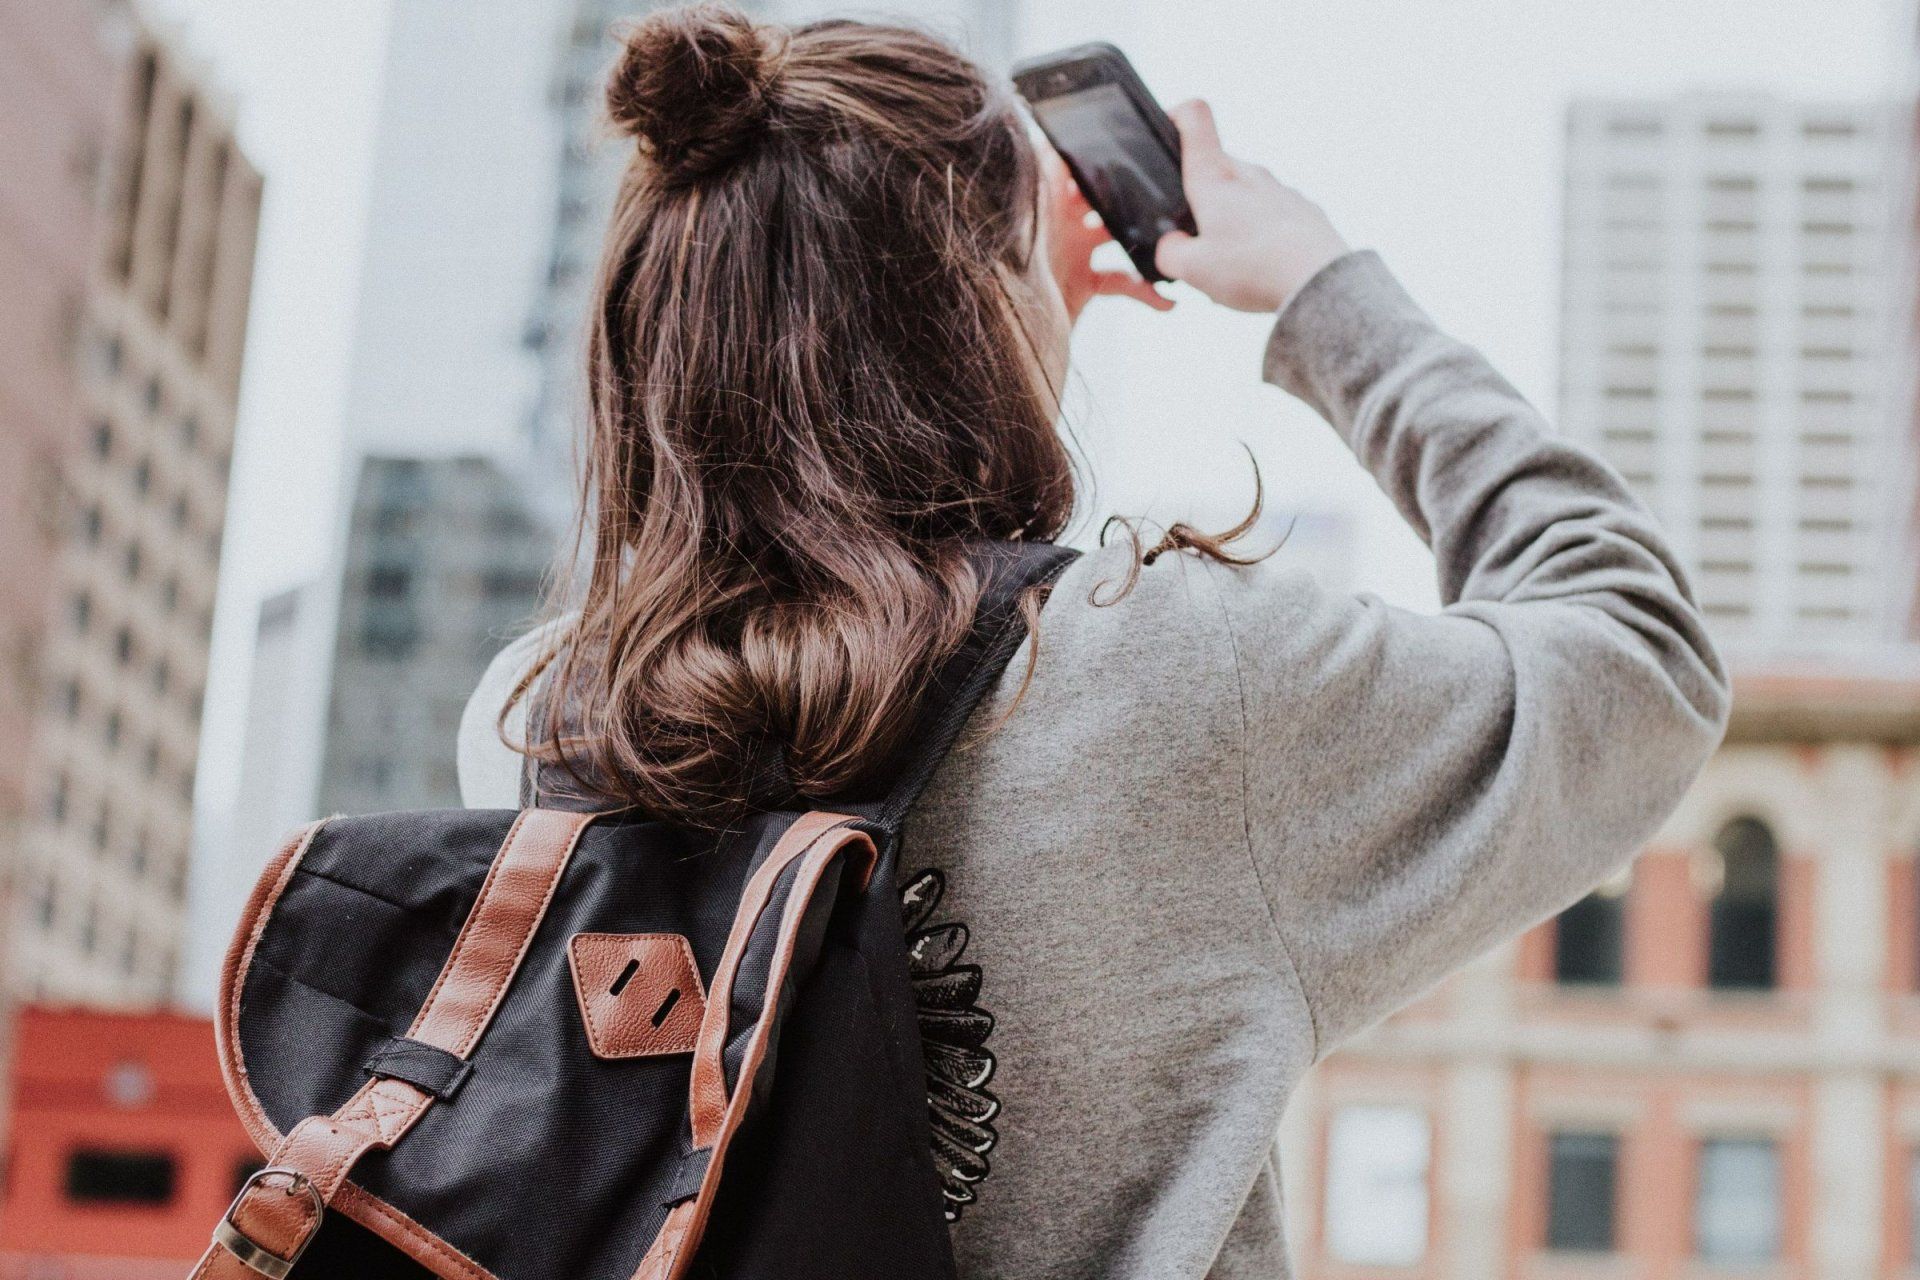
[822,363]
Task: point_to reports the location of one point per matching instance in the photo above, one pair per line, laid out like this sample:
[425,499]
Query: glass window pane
[1744,914]
[1737,1214]
[1587,941]
[1376,1208]
[123,1177]
[1580,1190]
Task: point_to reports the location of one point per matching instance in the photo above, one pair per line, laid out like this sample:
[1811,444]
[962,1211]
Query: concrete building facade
[100,872]
[1732,338]
[54,123]
[1710,1068]
[445,562]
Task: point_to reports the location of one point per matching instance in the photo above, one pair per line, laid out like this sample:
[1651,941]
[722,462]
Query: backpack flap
[407,1028]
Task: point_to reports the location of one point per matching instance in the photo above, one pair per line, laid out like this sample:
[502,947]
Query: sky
[1429,129]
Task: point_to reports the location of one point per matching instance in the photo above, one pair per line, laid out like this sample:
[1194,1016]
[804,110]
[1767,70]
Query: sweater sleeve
[1422,787]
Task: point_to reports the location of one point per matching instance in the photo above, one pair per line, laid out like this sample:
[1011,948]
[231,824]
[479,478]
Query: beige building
[1709,1069]
[1734,312]
[100,872]
[53,131]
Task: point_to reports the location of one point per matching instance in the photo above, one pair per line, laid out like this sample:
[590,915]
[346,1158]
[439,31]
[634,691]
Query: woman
[1217,819]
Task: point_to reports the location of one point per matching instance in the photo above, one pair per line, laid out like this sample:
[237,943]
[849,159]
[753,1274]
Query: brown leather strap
[707,1101]
[279,1211]
[815,842]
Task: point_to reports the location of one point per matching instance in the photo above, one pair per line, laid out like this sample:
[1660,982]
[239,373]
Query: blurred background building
[100,870]
[444,558]
[51,67]
[1733,312]
[123,1146]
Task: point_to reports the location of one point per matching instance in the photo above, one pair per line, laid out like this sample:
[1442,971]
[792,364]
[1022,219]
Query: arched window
[1745,912]
[1588,937]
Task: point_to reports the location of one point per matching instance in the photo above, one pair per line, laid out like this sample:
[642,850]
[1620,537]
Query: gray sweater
[1237,818]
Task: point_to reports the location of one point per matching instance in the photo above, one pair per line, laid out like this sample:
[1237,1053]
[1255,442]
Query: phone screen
[1127,172]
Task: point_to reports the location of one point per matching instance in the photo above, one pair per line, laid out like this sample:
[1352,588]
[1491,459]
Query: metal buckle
[250,1254]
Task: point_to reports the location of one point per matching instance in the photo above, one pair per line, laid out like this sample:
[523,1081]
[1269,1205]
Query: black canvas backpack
[556,1044]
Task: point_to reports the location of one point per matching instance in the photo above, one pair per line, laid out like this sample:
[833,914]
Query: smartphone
[1120,146]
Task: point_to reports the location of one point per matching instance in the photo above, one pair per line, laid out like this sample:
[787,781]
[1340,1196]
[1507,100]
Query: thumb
[1174,254]
[1200,149]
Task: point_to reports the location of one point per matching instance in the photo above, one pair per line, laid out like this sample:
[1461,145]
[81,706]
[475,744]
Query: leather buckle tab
[251,1253]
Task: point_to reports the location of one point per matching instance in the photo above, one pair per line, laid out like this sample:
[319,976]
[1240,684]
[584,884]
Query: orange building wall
[146,1083]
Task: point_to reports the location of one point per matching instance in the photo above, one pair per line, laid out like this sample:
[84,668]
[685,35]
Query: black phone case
[1102,63]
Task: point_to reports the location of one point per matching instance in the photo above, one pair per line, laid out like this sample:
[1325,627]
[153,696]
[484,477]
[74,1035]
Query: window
[1743,916]
[388,582]
[1580,1191]
[1376,1188]
[1587,944]
[1736,1215]
[120,1177]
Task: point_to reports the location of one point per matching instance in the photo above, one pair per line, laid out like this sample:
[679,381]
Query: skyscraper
[102,865]
[53,145]
[1731,313]
[445,561]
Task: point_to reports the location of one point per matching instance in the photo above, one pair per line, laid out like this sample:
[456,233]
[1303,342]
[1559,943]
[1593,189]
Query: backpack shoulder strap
[1010,570]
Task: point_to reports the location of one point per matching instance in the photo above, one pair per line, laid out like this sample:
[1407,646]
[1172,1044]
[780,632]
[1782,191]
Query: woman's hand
[1073,233]
[1259,240]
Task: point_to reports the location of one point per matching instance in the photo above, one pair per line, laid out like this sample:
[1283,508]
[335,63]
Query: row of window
[1743,919]
[128,950]
[110,363]
[1737,1203]
[1378,1174]
[127,649]
[1647,128]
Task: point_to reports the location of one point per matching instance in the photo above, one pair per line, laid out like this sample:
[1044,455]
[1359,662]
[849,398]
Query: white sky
[1429,129]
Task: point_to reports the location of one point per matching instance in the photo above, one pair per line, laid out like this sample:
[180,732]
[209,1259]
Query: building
[101,868]
[445,562]
[275,795]
[1711,1067]
[54,124]
[1733,340]
[123,1147]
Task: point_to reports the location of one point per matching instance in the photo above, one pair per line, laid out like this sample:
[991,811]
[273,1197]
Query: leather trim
[321,1150]
[707,1100]
[812,841]
[233,976]
[498,931]
[639,993]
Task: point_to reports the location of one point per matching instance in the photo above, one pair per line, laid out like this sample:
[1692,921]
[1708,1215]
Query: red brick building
[123,1150]
[1710,1068]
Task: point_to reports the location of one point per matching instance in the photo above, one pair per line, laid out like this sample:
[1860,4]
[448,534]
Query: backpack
[566,1043]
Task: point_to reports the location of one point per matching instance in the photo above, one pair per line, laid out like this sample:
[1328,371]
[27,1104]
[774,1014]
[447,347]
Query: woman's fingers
[1201,155]
[1173,254]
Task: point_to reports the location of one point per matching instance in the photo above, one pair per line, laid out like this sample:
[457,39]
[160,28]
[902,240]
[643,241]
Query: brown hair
[811,388]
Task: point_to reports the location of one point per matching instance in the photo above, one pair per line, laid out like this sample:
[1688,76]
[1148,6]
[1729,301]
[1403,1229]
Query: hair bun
[692,86]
